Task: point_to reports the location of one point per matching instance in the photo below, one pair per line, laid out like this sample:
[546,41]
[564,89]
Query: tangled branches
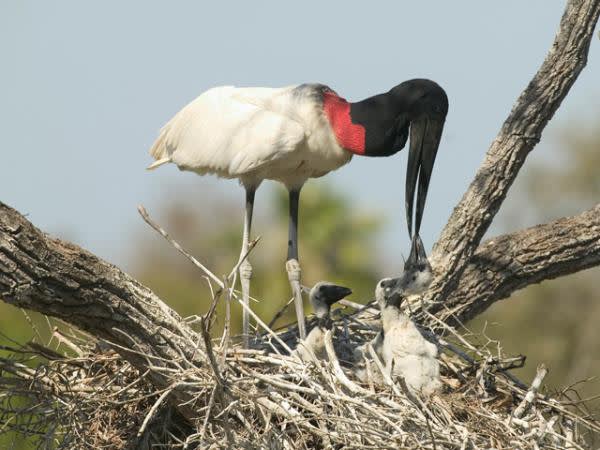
[263,398]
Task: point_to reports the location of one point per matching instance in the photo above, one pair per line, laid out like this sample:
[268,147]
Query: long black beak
[417,274]
[425,136]
[333,293]
[417,259]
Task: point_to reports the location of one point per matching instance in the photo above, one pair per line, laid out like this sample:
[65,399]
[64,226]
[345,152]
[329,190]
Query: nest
[264,398]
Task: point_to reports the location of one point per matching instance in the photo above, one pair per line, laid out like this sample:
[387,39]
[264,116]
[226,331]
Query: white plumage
[400,345]
[252,134]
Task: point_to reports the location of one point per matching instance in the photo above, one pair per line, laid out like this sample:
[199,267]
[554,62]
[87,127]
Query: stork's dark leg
[293,265]
[245,267]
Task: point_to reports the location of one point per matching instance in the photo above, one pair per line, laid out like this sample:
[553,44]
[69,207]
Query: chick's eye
[414,277]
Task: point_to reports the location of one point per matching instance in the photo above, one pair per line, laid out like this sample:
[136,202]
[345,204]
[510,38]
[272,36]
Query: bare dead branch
[519,134]
[510,262]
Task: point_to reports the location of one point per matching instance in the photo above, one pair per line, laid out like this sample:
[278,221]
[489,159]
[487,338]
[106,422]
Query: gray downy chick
[415,279]
[322,296]
[405,351]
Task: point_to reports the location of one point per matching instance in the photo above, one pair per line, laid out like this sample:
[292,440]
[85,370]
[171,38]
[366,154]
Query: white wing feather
[229,132]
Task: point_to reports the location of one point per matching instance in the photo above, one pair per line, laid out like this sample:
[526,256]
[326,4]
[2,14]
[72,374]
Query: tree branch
[520,133]
[62,280]
[510,262]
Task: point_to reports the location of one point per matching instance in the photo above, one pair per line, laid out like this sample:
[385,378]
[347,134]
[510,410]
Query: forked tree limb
[510,262]
[62,280]
[519,134]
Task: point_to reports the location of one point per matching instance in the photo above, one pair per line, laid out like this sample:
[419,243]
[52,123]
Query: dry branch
[519,134]
[510,262]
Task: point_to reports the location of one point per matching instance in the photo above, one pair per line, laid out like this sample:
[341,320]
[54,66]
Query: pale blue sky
[85,87]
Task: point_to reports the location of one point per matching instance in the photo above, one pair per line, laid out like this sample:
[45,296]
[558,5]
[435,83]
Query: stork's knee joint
[293,269]
[246,270]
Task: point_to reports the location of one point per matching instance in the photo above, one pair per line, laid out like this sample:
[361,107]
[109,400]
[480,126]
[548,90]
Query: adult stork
[299,132]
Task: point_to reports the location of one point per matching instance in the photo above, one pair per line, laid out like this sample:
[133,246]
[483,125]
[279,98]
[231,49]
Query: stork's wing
[228,131]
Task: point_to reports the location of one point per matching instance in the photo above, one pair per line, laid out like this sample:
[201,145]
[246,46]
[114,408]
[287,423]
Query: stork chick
[415,279]
[322,296]
[361,351]
[405,351]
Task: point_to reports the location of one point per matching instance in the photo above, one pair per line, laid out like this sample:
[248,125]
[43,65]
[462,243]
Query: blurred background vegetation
[555,322]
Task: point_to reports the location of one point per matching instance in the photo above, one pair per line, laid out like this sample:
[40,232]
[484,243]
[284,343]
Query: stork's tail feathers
[159,151]
[158,163]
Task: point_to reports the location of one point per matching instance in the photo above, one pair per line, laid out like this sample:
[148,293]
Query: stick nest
[76,392]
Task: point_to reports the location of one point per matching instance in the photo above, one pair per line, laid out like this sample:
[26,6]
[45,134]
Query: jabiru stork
[299,132]
[322,296]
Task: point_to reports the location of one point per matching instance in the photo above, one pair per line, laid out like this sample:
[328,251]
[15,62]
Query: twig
[153,409]
[178,247]
[209,351]
[251,246]
[337,369]
[529,398]
[279,313]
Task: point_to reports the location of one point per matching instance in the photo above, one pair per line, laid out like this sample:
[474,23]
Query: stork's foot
[245,277]
[292,266]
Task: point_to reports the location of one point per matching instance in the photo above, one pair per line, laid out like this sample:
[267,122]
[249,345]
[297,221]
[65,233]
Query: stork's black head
[423,106]
[380,126]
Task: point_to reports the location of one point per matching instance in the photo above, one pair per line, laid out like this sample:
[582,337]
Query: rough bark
[519,134]
[62,280]
[510,262]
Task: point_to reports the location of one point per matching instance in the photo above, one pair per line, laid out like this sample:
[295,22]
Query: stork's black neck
[379,117]
[375,126]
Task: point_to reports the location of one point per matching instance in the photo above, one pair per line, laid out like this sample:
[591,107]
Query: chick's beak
[334,293]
